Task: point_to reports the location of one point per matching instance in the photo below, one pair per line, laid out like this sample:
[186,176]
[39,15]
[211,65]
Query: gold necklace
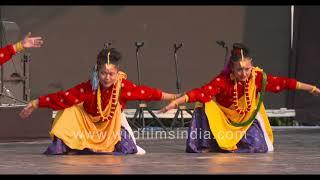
[247,98]
[112,102]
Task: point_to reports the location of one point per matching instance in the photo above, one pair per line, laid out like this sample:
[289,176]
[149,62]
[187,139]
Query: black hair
[236,52]
[102,58]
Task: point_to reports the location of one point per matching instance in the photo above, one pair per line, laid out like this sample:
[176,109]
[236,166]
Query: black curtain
[305,63]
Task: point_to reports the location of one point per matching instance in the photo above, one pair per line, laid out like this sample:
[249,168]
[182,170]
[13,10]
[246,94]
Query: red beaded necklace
[247,99]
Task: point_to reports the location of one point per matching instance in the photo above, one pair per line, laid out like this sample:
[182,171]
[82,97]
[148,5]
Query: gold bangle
[19,46]
[298,85]
[174,97]
[186,97]
[313,89]
[175,102]
[34,104]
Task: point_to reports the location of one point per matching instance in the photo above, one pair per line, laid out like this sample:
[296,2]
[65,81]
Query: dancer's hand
[32,42]
[168,96]
[170,106]
[309,88]
[26,111]
[316,92]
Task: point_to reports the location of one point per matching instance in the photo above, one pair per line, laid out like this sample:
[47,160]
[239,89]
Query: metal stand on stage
[139,114]
[180,109]
[15,78]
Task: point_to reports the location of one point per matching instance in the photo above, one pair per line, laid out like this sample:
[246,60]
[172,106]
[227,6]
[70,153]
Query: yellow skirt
[79,130]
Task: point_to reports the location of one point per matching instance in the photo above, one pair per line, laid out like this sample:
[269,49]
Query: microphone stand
[4,92]
[139,114]
[180,109]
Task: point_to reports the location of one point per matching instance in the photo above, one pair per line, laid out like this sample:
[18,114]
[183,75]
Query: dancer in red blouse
[91,118]
[231,116]
[7,52]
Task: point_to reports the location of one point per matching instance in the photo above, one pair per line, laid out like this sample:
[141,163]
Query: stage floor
[297,151]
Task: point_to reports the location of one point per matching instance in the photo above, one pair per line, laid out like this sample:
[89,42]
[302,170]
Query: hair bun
[114,54]
[236,51]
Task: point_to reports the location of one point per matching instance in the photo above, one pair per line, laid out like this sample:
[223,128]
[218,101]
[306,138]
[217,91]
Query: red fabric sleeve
[64,99]
[132,92]
[207,91]
[6,53]
[275,83]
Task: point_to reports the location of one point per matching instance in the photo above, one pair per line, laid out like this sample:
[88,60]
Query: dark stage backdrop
[74,35]
[305,62]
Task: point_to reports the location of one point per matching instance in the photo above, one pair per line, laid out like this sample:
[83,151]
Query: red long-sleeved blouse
[83,93]
[222,88]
